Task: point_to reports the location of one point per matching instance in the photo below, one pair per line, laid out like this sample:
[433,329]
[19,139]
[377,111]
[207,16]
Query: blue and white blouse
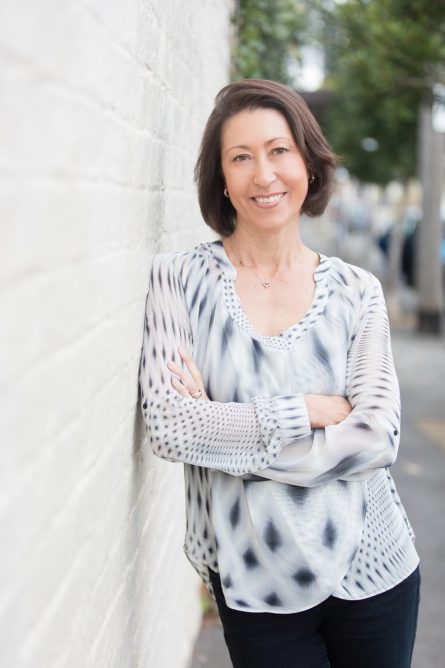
[287,515]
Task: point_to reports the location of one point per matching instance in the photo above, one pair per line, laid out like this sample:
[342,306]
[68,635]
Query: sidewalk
[420,477]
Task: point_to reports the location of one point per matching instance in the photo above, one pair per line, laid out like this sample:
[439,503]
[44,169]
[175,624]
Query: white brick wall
[102,107]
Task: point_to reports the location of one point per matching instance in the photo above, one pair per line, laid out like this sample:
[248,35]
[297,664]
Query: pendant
[266,284]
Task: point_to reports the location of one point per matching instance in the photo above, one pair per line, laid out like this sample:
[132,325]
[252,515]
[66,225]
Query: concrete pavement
[420,477]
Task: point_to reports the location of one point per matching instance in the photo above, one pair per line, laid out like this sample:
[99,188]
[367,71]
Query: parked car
[409,247]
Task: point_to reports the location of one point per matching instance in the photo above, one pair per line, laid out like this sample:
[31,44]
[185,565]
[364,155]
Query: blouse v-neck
[286,339]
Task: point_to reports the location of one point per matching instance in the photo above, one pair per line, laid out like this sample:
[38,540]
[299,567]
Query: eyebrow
[269,141]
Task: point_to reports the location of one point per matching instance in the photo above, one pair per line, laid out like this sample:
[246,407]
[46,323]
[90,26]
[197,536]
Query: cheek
[237,181]
[297,169]
[300,180]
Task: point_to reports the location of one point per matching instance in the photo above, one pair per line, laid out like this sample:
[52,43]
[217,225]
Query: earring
[226,192]
[312,178]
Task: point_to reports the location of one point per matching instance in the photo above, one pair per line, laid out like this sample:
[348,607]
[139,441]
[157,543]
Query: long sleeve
[368,438]
[236,438]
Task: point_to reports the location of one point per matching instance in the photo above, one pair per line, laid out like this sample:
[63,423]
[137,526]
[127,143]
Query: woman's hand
[324,409]
[189,382]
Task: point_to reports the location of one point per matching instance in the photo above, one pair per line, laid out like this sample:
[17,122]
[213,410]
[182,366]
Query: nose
[264,173]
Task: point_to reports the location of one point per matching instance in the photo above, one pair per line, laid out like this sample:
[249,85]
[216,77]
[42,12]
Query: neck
[270,252]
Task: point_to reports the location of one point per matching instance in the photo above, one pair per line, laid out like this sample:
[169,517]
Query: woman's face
[263,169]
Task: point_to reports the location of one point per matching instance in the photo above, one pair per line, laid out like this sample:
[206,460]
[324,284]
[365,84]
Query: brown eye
[279,150]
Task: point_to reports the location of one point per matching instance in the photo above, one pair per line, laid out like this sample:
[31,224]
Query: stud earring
[312,178]
[226,192]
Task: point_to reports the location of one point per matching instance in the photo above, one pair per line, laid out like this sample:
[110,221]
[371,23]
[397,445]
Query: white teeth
[266,200]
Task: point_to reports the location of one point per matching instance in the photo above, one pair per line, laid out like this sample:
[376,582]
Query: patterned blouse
[288,515]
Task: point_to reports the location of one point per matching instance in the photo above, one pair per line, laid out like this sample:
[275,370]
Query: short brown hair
[252,94]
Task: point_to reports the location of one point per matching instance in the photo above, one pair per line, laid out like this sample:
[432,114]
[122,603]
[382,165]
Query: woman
[267,370]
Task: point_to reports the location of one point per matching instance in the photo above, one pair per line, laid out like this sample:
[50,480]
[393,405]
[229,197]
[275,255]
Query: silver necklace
[265,284]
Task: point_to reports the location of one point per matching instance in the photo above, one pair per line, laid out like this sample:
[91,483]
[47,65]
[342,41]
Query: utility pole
[429,275]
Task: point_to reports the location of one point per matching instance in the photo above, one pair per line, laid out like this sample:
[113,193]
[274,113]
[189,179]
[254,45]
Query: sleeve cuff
[282,419]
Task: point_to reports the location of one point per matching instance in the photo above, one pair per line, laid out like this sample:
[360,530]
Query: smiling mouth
[269,199]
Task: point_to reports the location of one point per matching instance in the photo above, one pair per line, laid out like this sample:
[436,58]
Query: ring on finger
[196,395]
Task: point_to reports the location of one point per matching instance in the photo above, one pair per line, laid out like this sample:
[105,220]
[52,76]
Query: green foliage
[384,57]
[268,37]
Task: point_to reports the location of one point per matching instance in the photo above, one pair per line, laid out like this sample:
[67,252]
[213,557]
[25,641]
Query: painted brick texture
[102,108]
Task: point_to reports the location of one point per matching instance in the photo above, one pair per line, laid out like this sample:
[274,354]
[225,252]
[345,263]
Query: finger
[184,374]
[174,367]
[193,383]
[192,378]
[186,385]
[193,369]
[181,373]
[179,387]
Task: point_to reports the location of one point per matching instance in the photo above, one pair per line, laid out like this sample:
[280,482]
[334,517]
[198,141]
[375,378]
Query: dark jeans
[376,632]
